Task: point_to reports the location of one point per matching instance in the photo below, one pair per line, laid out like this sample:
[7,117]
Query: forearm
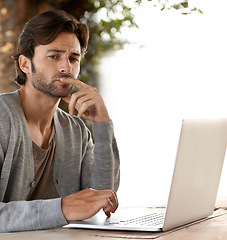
[105,172]
[31,215]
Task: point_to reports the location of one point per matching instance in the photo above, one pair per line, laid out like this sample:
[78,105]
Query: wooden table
[212,228]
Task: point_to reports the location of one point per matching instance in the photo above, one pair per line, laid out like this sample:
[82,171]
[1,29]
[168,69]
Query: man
[49,165]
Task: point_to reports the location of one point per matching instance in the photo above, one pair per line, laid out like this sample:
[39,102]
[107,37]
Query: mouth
[63,80]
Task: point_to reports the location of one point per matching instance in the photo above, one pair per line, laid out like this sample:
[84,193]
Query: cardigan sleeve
[31,215]
[100,168]
[105,170]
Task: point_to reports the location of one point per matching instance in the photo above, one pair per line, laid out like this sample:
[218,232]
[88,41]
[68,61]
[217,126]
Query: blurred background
[154,62]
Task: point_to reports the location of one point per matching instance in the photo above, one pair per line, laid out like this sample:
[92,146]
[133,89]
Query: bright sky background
[180,72]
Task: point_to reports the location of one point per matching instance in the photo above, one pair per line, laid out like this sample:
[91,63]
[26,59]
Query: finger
[108,214]
[114,200]
[103,203]
[72,104]
[80,103]
[112,197]
[76,100]
[84,101]
[87,108]
[77,83]
[108,209]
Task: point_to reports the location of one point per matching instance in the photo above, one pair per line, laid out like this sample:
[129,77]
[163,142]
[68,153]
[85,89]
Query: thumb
[67,99]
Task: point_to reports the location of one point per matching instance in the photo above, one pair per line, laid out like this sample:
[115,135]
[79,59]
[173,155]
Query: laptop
[194,187]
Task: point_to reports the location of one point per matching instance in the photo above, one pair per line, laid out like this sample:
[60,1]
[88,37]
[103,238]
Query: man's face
[51,62]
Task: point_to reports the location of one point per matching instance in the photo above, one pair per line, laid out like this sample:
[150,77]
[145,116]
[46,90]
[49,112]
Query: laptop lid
[195,181]
[197,171]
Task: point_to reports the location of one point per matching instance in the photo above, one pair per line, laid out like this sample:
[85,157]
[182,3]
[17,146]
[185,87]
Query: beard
[53,89]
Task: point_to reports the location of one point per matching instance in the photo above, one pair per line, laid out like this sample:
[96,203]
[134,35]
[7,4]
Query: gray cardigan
[79,164]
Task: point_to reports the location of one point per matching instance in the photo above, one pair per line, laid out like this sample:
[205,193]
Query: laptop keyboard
[152,219]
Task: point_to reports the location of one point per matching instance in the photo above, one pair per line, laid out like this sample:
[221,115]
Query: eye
[73,59]
[53,57]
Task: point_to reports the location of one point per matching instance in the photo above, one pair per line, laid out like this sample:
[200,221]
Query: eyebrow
[63,51]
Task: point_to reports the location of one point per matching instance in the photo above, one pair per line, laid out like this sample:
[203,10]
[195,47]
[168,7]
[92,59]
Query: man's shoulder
[10,97]
[11,116]
[10,107]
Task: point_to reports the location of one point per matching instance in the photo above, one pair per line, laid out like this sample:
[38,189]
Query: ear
[25,64]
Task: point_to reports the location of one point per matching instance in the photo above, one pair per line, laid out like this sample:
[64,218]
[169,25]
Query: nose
[65,66]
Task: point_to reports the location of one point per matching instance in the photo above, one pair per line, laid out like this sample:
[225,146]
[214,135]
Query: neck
[38,107]
[39,110]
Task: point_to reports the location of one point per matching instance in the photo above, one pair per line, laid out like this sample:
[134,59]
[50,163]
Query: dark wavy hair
[42,30]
